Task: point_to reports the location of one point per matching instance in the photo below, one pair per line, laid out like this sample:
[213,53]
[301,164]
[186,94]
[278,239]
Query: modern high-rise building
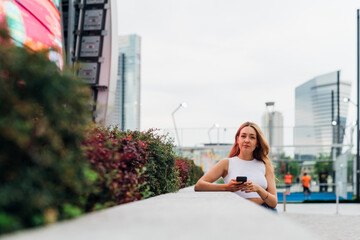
[90,38]
[272,125]
[320,115]
[127,99]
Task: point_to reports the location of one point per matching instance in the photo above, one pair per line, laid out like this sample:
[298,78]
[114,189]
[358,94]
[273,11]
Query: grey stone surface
[324,220]
[329,227]
[182,215]
[321,208]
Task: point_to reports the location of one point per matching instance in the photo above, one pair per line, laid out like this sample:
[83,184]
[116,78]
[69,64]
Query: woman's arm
[269,195]
[205,183]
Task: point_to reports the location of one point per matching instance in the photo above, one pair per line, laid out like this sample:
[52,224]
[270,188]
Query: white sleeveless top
[254,170]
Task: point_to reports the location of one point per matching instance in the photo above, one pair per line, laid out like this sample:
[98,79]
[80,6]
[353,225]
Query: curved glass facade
[316,107]
[127,100]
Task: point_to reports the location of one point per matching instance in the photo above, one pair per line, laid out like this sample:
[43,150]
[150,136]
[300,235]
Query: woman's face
[247,140]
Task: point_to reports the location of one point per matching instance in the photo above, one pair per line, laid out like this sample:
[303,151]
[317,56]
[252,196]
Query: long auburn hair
[262,149]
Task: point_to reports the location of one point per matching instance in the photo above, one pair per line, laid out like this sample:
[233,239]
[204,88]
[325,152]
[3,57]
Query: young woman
[248,157]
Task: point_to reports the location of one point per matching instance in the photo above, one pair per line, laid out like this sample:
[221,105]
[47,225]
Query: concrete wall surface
[182,215]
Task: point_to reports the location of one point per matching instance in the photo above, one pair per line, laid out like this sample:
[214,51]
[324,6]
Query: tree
[288,164]
[322,169]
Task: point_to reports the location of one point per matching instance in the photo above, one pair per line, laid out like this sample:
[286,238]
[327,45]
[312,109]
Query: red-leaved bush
[188,172]
[183,167]
[119,164]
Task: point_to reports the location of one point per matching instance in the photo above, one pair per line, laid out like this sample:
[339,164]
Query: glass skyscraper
[127,99]
[319,110]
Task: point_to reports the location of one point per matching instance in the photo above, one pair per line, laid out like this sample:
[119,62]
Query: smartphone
[241,179]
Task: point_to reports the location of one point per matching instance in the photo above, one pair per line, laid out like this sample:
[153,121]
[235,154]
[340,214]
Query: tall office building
[127,99]
[272,124]
[320,115]
[90,37]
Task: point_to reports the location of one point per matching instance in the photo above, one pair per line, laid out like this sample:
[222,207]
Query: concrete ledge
[182,215]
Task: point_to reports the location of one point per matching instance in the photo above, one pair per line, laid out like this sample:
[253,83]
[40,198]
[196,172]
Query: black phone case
[241,179]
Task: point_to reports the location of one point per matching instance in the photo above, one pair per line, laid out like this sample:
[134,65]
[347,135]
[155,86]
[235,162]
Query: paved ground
[205,215]
[176,216]
[323,219]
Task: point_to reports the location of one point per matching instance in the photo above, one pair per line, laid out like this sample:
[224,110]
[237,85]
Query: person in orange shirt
[306,184]
[288,180]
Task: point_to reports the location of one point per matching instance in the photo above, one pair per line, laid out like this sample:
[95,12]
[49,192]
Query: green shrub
[119,164]
[189,173]
[49,170]
[43,113]
[195,173]
[160,173]
[183,168]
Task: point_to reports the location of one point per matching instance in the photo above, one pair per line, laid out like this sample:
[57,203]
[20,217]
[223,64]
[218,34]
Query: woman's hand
[250,187]
[234,186]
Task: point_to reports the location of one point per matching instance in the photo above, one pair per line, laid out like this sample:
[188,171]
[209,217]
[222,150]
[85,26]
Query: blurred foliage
[289,165]
[43,115]
[160,173]
[220,181]
[133,165]
[71,211]
[118,165]
[350,169]
[54,166]
[325,166]
[188,172]
[183,168]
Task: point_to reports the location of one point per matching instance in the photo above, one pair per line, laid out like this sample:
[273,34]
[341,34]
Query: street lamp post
[348,100]
[182,105]
[358,104]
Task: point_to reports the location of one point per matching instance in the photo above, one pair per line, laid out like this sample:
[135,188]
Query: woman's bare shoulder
[224,161]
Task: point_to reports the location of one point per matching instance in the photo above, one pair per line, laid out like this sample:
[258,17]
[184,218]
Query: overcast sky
[226,58]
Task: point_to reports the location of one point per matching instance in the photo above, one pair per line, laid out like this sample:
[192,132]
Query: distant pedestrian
[288,180]
[306,184]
